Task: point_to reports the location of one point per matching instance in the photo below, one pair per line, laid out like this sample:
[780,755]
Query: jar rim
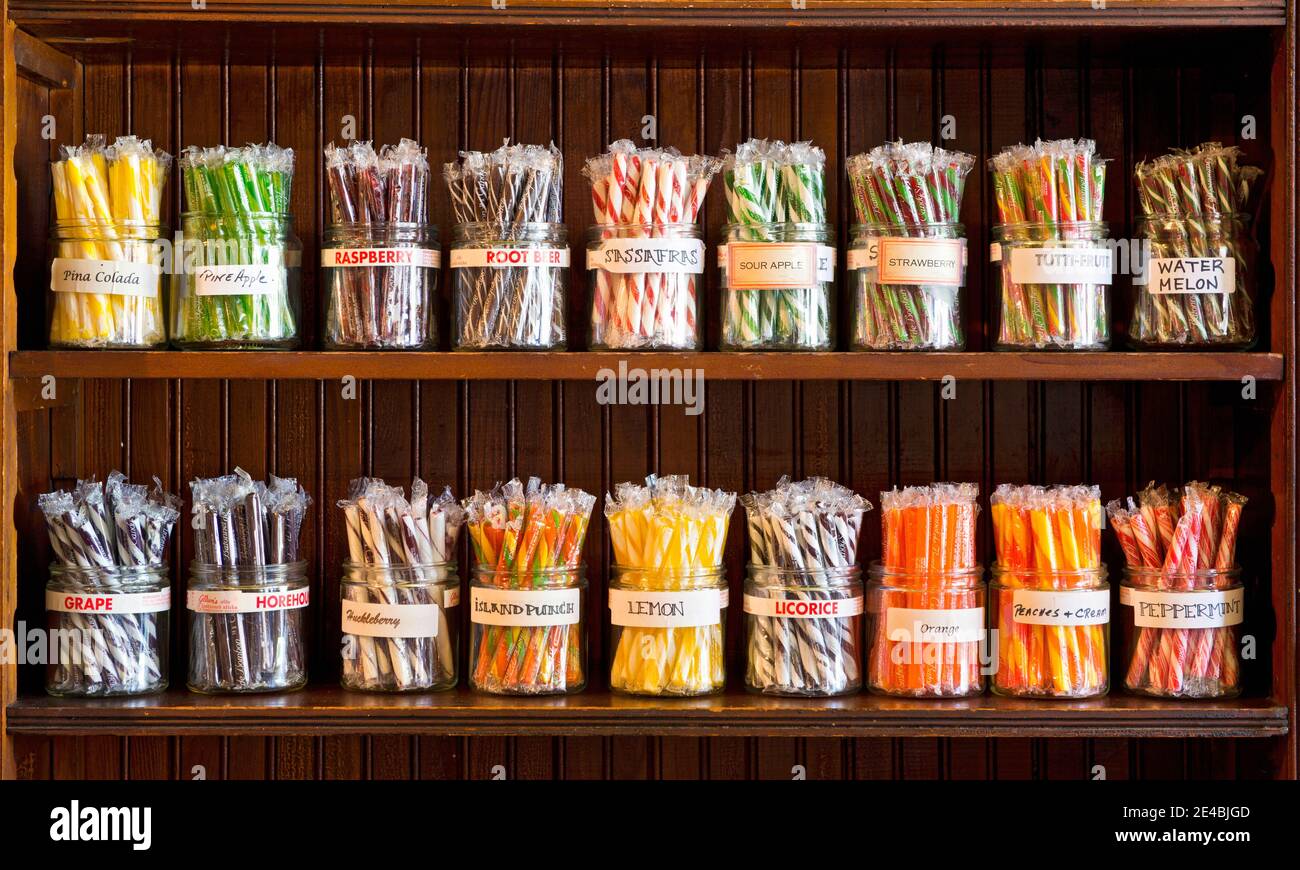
[503,227]
[80,222]
[844,574]
[881,573]
[689,227]
[237,215]
[121,573]
[803,226]
[957,226]
[1182,218]
[349,565]
[553,571]
[1056,580]
[1049,225]
[425,226]
[276,572]
[1207,573]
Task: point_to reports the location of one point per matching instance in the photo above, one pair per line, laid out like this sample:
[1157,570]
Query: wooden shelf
[310,365]
[46,16]
[330,710]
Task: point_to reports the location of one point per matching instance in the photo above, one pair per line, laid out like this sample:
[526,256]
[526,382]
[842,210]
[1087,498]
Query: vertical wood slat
[869,435]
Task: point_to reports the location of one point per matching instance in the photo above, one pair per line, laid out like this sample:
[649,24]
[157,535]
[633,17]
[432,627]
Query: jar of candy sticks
[509,285]
[644,279]
[529,634]
[380,280]
[803,631]
[397,634]
[777,286]
[906,283]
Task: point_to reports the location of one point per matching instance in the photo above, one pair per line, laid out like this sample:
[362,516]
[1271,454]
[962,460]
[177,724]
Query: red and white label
[113,277]
[1070,607]
[334,258]
[510,258]
[390,620]
[912,261]
[914,625]
[109,602]
[201,601]
[1187,610]
[774,265]
[249,280]
[685,609]
[525,606]
[1080,265]
[802,608]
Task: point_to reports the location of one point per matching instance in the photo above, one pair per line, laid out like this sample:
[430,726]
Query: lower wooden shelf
[325,710]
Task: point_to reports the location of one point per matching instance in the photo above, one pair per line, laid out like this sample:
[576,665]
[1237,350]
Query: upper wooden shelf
[45,16]
[582,365]
[321,710]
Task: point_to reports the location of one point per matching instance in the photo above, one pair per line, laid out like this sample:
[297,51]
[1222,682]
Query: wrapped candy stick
[927,577]
[527,541]
[108,208]
[668,539]
[803,544]
[1051,605]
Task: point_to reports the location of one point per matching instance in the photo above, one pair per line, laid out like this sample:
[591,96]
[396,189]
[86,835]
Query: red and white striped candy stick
[643,214]
[1223,664]
[1180,560]
[1144,540]
[600,209]
[1202,639]
[616,188]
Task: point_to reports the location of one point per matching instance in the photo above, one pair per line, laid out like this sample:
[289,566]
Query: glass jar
[509,284]
[926,633]
[247,627]
[397,636]
[528,641]
[777,283]
[644,279]
[109,630]
[667,631]
[803,631]
[237,284]
[106,284]
[1055,282]
[1182,632]
[1198,286]
[1053,632]
[906,282]
[380,283]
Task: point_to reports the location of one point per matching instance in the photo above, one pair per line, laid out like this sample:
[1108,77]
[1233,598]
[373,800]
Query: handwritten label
[1061,265]
[510,258]
[524,606]
[202,601]
[685,609]
[912,261]
[801,608]
[774,265]
[333,258]
[451,597]
[1072,607]
[114,277]
[1210,609]
[390,620]
[912,625]
[109,602]
[249,280]
[1173,275]
[624,256]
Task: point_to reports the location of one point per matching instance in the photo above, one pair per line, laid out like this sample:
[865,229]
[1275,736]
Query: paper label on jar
[685,609]
[109,602]
[1211,609]
[1061,265]
[247,280]
[204,601]
[524,606]
[914,625]
[115,277]
[451,597]
[1174,275]
[333,258]
[775,265]
[366,619]
[1070,607]
[510,258]
[912,261]
[803,608]
[625,256]
[995,252]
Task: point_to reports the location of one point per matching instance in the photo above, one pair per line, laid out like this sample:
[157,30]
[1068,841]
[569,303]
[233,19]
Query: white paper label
[685,609]
[1171,275]
[1211,609]
[625,256]
[909,625]
[524,606]
[1068,607]
[912,261]
[451,597]
[1061,265]
[774,265]
[333,258]
[201,601]
[366,619]
[248,280]
[995,252]
[109,602]
[801,608]
[116,277]
[510,258]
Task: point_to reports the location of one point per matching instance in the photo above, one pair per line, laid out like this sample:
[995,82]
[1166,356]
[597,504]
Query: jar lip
[600,230]
[95,223]
[1050,225]
[1171,217]
[716,571]
[1230,573]
[360,226]
[505,228]
[553,571]
[809,227]
[879,571]
[349,565]
[273,570]
[956,226]
[122,573]
[239,215]
[999,570]
[847,572]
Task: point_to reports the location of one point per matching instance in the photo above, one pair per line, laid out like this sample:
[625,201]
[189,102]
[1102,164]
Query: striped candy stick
[600,305]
